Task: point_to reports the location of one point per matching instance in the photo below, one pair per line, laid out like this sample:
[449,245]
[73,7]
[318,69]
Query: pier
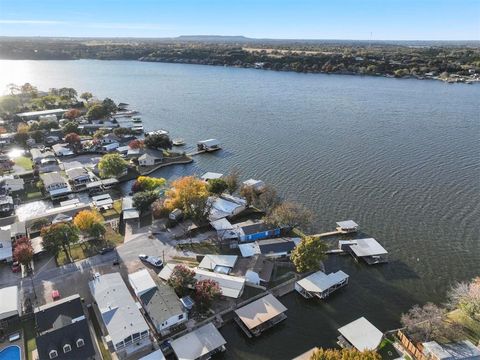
[198,152]
[330,233]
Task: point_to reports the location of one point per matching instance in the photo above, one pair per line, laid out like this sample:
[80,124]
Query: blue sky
[306,19]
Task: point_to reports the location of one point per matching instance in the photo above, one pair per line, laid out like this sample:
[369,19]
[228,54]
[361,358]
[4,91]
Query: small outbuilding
[347,226]
[321,285]
[201,343]
[222,264]
[211,176]
[9,304]
[260,315]
[361,335]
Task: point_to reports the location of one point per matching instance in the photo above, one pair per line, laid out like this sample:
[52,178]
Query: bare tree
[466,297]
[425,323]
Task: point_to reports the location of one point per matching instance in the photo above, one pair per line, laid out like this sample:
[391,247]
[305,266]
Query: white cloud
[31,22]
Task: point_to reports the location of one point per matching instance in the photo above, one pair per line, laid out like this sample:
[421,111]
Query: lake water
[400,157]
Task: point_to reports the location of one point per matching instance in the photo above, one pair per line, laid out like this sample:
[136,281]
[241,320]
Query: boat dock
[203,151]
[330,233]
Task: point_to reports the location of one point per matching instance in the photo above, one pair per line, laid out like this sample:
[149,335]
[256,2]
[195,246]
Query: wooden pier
[197,152]
[330,233]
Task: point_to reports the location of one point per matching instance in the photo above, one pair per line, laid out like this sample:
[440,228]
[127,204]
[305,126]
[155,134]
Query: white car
[152,260]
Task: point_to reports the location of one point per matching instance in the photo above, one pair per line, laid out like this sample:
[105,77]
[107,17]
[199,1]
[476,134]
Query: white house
[150,158]
[9,303]
[159,301]
[128,332]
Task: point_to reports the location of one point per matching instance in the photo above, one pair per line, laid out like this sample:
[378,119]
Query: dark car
[105,250]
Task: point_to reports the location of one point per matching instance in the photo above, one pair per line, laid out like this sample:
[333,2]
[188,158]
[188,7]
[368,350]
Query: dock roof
[209,142]
[319,281]
[347,224]
[367,247]
[211,175]
[260,311]
[362,334]
[198,343]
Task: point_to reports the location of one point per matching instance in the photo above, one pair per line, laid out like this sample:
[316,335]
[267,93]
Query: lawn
[98,334]
[387,350]
[24,162]
[471,327]
[29,337]
[200,248]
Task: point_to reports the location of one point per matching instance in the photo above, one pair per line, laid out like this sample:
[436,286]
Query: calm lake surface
[400,157]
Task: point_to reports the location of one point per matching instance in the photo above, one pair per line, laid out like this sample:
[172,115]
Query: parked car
[16,267]
[152,260]
[105,250]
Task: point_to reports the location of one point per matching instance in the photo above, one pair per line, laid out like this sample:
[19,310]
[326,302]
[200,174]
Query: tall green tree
[112,165]
[143,199]
[158,141]
[308,254]
[217,186]
[58,237]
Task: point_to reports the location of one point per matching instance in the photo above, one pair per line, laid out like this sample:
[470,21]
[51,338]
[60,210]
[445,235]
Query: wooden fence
[414,350]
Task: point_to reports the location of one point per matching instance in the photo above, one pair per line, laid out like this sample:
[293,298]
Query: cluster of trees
[58,237]
[90,223]
[158,141]
[431,322]
[344,354]
[36,131]
[206,292]
[101,110]
[112,165]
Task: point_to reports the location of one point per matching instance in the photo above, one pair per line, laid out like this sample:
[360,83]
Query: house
[159,301]
[62,150]
[461,350]
[150,157]
[36,115]
[221,207]
[347,226]
[320,284]
[10,309]
[110,147]
[368,250]
[78,177]
[258,270]
[231,286]
[6,164]
[256,230]
[52,139]
[211,176]
[63,332]
[55,184]
[360,334]
[156,355]
[208,145]
[270,248]
[127,331]
[200,344]
[17,230]
[38,156]
[110,138]
[6,139]
[224,229]
[260,315]
[222,264]
[256,185]
[12,184]
[128,210]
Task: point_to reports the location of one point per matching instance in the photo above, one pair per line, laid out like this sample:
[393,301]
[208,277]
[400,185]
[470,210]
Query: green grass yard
[24,162]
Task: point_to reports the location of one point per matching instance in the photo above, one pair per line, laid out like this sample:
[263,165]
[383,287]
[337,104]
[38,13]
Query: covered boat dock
[321,285]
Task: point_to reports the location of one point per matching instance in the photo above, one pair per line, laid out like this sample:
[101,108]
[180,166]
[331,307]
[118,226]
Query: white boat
[178,142]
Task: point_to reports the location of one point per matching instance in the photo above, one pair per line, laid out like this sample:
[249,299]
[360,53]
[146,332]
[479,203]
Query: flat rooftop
[260,311]
[362,334]
[319,281]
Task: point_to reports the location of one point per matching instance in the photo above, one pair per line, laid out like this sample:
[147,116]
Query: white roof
[260,311]
[367,247]
[9,305]
[253,182]
[221,224]
[198,343]
[249,249]
[156,355]
[347,224]
[319,281]
[211,176]
[362,334]
[41,112]
[141,282]
[231,286]
[434,348]
[6,242]
[221,208]
[166,272]
[209,262]
[119,311]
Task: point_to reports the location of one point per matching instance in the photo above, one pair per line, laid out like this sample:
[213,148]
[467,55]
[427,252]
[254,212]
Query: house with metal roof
[159,301]
[368,250]
[199,344]
[231,286]
[260,315]
[218,263]
[124,326]
[256,230]
[62,330]
[166,271]
[321,285]
[10,309]
[221,207]
[461,350]
[360,334]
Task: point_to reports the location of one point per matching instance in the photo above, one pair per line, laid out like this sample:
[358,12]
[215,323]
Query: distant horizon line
[239,37]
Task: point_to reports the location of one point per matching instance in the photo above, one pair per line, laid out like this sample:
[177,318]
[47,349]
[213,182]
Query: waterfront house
[110,138]
[62,330]
[361,335]
[270,248]
[211,176]
[257,185]
[159,301]
[102,202]
[55,184]
[321,285]
[128,210]
[127,332]
[199,344]
[347,226]
[62,150]
[222,264]
[368,250]
[150,157]
[256,230]
[42,114]
[208,145]
[260,315]
[461,350]
[223,208]
[38,155]
[10,183]
[259,270]
[231,286]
